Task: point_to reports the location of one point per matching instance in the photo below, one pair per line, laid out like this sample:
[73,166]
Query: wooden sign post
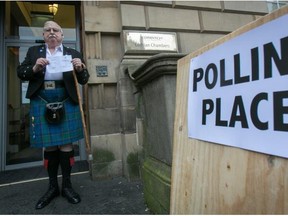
[231,174]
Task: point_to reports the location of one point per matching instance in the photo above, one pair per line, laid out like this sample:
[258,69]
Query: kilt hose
[43,134]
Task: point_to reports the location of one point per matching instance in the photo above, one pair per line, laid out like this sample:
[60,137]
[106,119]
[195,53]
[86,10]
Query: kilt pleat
[43,134]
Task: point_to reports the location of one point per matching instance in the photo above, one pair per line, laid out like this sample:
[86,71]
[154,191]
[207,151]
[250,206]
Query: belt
[48,85]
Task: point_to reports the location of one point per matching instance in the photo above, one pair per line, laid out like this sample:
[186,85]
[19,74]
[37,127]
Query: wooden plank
[209,178]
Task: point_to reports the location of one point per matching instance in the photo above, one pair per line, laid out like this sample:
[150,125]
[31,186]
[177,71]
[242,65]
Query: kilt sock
[66,163]
[51,163]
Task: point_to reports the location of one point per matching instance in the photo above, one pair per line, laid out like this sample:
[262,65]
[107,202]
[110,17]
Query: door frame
[11,43]
[3,82]
[3,118]
[4,124]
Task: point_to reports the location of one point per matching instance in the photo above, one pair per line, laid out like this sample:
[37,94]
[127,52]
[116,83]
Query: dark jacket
[25,72]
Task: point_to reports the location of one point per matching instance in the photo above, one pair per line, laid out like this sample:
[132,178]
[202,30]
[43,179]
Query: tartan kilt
[43,134]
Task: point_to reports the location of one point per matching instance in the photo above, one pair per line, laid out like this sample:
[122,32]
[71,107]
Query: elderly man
[54,129]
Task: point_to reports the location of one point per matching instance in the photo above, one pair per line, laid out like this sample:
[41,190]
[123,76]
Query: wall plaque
[101,71]
[155,42]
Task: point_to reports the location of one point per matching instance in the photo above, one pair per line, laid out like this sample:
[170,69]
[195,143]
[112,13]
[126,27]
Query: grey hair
[53,22]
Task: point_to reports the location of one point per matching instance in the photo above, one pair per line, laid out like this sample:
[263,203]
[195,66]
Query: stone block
[132,156]
[140,131]
[172,18]
[132,153]
[104,96]
[110,95]
[110,143]
[126,88]
[225,22]
[131,143]
[159,97]
[111,48]
[104,121]
[208,5]
[107,4]
[133,165]
[246,6]
[133,16]
[106,170]
[92,45]
[190,42]
[140,111]
[97,76]
[128,117]
[154,3]
[105,163]
[102,19]
[157,185]
[129,66]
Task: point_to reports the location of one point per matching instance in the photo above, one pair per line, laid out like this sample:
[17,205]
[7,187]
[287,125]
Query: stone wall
[156,81]
[114,128]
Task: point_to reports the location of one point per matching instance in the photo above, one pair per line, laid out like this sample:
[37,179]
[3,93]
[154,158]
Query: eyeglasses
[54,29]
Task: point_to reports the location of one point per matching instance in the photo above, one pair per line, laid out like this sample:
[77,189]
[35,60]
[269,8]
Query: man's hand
[78,65]
[40,64]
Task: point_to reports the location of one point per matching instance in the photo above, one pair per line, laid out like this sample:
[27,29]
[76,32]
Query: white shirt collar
[58,48]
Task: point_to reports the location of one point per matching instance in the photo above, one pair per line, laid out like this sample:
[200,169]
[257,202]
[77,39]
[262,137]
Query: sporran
[55,112]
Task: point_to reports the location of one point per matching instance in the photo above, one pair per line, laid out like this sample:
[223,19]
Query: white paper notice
[59,64]
[250,113]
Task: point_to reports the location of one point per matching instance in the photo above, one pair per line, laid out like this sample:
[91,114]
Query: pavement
[20,190]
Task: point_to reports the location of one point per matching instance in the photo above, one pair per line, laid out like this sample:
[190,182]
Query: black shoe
[71,195]
[47,197]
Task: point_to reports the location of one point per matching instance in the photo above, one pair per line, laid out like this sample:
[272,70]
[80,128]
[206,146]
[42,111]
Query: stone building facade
[115,127]
[130,97]
[131,107]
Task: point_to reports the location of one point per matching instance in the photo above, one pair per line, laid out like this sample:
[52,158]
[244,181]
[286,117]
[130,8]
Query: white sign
[238,91]
[58,64]
[150,41]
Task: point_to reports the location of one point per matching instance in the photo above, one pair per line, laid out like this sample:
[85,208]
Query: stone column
[155,107]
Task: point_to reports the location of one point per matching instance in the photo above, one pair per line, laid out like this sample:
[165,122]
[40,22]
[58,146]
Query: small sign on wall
[155,42]
[238,93]
[101,71]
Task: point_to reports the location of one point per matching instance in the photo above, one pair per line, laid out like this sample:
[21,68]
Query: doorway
[18,149]
[23,24]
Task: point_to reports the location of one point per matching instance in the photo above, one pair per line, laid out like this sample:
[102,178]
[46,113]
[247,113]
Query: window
[24,20]
[275,4]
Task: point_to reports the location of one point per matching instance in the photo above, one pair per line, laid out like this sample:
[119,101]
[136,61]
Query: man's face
[52,34]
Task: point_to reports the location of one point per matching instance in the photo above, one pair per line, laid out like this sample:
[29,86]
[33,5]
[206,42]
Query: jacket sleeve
[25,69]
[82,76]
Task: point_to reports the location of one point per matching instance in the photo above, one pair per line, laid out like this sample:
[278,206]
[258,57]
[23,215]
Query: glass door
[19,153]
[23,27]
[18,150]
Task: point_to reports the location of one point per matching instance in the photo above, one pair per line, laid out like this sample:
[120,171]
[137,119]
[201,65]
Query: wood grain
[208,178]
